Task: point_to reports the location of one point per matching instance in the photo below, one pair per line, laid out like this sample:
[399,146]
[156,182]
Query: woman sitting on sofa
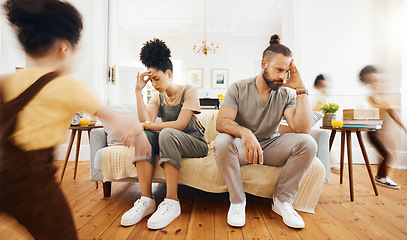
[180,134]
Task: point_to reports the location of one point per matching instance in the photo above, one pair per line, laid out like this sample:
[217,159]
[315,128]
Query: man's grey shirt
[261,118]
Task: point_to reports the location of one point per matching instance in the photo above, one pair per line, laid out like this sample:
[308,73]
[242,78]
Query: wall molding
[357,156]
[84,153]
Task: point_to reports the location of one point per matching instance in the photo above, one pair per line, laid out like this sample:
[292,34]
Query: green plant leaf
[329,108]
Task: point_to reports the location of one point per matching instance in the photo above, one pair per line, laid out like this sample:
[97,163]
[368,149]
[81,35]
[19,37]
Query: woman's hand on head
[142,80]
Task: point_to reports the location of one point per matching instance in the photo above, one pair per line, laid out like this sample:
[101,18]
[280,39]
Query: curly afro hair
[156,54]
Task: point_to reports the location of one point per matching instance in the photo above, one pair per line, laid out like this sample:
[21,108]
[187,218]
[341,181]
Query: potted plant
[329,110]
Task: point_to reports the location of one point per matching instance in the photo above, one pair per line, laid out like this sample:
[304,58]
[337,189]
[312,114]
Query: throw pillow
[127,113]
[284,128]
[316,116]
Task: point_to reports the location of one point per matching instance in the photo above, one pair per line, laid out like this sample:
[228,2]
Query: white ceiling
[165,17]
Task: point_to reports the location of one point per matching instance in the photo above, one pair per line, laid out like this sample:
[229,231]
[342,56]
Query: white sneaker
[166,212]
[290,217]
[142,207]
[237,214]
[386,182]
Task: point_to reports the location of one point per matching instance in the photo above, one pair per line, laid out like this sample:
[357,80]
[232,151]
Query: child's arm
[132,132]
[393,114]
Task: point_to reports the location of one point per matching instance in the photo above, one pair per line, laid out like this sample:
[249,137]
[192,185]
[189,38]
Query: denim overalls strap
[10,110]
[171,113]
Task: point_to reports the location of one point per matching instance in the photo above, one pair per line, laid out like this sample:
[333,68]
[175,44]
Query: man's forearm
[302,117]
[230,127]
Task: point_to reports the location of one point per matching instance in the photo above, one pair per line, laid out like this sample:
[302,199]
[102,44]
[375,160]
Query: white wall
[92,55]
[240,55]
[127,53]
[403,31]
[338,38]
[247,55]
[12,55]
[341,37]
[91,63]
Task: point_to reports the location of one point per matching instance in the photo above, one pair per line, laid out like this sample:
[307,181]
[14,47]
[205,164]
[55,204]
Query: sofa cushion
[208,120]
[98,160]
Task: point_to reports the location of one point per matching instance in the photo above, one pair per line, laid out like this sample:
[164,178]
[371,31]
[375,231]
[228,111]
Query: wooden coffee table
[76,129]
[348,132]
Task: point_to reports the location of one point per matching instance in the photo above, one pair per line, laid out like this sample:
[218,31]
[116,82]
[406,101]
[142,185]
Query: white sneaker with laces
[290,217]
[142,207]
[237,214]
[166,212]
[386,182]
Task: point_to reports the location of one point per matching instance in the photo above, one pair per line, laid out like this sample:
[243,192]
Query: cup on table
[84,122]
[337,121]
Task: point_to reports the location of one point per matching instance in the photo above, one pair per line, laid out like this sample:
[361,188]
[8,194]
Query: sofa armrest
[98,140]
[321,136]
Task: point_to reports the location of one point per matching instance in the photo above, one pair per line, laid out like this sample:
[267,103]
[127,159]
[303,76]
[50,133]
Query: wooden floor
[204,214]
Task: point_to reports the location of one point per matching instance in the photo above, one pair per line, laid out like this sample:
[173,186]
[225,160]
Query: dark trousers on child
[29,193]
[379,145]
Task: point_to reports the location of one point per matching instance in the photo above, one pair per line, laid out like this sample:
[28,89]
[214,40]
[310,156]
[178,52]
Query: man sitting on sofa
[248,121]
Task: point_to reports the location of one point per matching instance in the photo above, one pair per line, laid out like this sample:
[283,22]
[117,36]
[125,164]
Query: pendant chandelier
[205,48]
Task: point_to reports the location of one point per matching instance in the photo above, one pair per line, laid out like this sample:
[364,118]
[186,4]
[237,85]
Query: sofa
[115,164]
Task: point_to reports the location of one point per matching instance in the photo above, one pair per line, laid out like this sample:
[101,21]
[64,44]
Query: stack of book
[362,118]
[367,123]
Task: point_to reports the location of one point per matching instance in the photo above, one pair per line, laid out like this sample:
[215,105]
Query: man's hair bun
[154,53]
[275,39]
[276,47]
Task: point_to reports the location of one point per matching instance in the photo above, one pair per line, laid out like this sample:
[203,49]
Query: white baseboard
[402,160]
[357,156]
[84,153]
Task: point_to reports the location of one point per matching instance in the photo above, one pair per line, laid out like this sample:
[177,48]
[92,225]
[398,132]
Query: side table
[347,132]
[75,129]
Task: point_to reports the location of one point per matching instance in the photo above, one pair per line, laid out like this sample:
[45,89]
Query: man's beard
[271,83]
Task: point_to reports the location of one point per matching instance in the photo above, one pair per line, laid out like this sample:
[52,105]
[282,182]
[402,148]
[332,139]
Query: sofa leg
[107,187]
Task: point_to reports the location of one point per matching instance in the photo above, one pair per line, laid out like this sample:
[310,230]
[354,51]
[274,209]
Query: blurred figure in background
[321,88]
[37,104]
[318,99]
[321,92]
[370,77]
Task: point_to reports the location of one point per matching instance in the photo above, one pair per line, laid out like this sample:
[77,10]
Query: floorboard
[204,214]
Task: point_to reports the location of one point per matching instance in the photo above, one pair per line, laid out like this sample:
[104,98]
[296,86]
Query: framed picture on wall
[194,77]
[220,78]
